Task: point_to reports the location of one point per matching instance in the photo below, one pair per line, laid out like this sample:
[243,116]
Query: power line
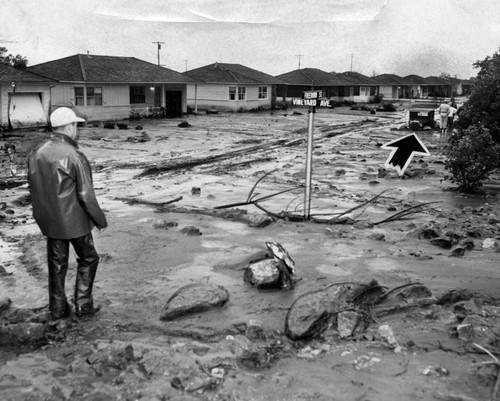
[159,47]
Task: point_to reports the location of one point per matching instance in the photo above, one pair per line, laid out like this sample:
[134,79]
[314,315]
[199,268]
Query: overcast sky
[423,37]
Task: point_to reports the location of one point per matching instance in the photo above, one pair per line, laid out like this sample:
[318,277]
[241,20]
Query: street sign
[297,101]
[312,95]
[403,150]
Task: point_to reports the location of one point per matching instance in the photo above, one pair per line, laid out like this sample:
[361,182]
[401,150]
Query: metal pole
[307,196]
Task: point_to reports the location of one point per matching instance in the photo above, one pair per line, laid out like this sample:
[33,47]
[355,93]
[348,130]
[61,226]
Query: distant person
[451,114]
[66,210]
[443,110]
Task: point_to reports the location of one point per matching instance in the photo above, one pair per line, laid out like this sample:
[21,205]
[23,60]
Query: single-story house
[24,98]
[109,88]
[302,80]
[391,86]
[362,88]
[230,87]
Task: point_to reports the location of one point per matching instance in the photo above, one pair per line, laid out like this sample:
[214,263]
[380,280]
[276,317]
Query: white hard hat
[63,116]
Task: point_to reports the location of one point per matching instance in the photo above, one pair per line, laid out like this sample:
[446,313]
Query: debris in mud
[183,124]
[191,230]
[276,270]
[194,298]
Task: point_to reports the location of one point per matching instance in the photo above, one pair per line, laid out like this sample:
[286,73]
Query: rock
[467,244]
[340,172]
[386,333]
[183,124]
[264,273]
[442,242]
[377,237]
[347,323]
[191,230]
[194,298]
[23,334]
[466,332]
[458,252]
[4,304]
[196,191]
[489,243]
[312,313]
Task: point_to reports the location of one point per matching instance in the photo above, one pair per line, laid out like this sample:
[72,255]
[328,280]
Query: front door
[173,103]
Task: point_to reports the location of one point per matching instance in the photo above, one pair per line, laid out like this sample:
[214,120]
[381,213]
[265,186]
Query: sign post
[310,136]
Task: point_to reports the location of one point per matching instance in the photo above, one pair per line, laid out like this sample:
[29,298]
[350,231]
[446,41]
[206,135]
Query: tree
[483,104]
[471,157]
[14,61]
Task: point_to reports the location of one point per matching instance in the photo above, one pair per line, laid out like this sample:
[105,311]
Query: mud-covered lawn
[240,352]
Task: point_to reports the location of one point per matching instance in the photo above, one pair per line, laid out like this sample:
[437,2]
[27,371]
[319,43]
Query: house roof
[11,74]
[230,74]
[313,76]
[357,78]
[414,80]
[107,69]
[389,79]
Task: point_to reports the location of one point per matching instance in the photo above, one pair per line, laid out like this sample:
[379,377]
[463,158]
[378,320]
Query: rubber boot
[57,261]
[87,261]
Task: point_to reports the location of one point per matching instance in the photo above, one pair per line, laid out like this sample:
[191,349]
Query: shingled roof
[224,73]
[357,78]
[107,69]
[389,79]
[11,74]
[313,76]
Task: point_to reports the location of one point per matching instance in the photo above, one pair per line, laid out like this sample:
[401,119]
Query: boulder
[264,273]
[442,242]
[313,313]
[194,298]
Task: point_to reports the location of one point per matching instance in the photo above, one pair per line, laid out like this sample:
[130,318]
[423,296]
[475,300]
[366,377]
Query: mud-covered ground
[240,352]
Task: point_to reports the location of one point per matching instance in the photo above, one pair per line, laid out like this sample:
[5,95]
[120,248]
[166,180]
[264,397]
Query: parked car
[422,115]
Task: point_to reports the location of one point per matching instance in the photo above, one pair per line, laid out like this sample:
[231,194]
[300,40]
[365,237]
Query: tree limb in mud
[133,201]
[188,163]
[406,212]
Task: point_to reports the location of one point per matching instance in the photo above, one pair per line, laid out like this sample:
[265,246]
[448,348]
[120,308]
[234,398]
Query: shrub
[471,156]
[388,106]
[377,98]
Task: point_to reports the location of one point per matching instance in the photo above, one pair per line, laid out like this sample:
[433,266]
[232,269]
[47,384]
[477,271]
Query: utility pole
[159,47]
[299,56]
[352,55]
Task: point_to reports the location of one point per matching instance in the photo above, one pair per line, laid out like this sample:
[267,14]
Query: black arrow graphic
[403,150]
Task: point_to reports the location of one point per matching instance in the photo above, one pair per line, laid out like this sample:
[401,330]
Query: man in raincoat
[66,210]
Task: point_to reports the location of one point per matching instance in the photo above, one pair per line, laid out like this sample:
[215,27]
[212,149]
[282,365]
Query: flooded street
[151,249]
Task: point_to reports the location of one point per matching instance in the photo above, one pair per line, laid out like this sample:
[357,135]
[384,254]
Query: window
[79,96]
[137,94]
[242,91]
[232,93]
[94,96]
[262,92]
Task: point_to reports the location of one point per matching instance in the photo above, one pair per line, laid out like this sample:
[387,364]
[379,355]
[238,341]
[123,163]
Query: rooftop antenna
[186,64]
[159,47]
[299,56]
[352,55]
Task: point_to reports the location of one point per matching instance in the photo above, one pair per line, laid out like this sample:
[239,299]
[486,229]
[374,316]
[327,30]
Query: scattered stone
[377,237]
[466,332]
[385,331]
[442,242]
[278,252]
[438,371]
[265,273]
[183,124]
[122,126]
[196,191]
[194,298]
[489,243]
[109,125]
[347,323]
[458,252]
[340,172]
[191,230]
[4,304]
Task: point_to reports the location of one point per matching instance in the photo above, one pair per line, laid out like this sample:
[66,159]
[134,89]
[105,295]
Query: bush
[471,156]
[377,98]
[388,106]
